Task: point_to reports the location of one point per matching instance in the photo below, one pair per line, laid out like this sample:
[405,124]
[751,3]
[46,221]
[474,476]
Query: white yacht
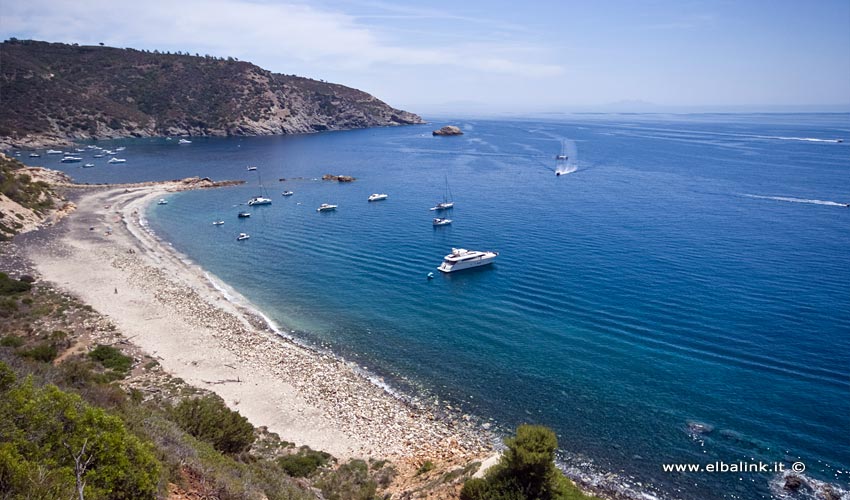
[184,141]
[326,207]
[71,159]
[378,197]
[98,156]
[250,169]
[117,160]
[162,201]
[242,236]
[122,148]
[461,259]
[218,222]
[259,200]
[54,152]
[442,221]
[288,193]
[88,165]
[34,155]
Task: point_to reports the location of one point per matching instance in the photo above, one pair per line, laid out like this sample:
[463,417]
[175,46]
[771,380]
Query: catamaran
[461,259]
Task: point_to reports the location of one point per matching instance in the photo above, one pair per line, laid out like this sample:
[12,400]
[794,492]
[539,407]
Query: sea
[680,294]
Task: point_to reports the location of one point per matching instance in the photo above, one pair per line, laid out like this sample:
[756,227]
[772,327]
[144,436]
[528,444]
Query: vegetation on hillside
[19,187]
[526,471]
[115,426]
[73,91]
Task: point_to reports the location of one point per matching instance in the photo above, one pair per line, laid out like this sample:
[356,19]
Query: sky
[497,56]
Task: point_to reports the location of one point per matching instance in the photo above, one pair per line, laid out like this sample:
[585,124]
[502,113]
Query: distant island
[54,93]
[448,130]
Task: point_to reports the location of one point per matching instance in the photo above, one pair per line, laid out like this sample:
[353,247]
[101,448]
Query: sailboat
[260,199]
[447,202]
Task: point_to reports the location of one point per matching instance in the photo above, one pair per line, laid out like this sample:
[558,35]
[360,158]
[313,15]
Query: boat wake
[797,200]
[804,139]
[565,170]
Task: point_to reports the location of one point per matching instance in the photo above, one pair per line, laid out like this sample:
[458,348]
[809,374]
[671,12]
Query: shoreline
[176,311]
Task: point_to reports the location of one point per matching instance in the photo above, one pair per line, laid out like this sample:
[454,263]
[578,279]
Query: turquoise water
[691,269]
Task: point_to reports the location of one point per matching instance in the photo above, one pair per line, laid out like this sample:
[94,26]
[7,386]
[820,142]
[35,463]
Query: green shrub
[428,466]
[11,341]
[350,481]
[112,358]
[209,419]
[10,286]
[41,352]
[526,471]
[41,425]
[304,463]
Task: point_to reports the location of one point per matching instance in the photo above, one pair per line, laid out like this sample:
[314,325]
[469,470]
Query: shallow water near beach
[682,295]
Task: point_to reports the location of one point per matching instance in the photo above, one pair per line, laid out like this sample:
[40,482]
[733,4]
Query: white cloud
[272,34]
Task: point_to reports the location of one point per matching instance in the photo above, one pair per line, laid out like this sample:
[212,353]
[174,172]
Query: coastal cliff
[54,93]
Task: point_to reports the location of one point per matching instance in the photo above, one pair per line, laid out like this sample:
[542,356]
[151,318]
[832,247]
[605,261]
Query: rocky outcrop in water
[448,130]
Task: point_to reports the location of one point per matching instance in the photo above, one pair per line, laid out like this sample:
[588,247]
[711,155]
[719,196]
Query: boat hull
[483,260]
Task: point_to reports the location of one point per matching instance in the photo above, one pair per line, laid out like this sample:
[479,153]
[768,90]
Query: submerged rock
[793,483]
[448,130]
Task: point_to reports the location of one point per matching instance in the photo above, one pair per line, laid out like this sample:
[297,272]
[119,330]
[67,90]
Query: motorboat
[184,141]
[80,150]
[378,197]
[88,165]
[98,156]
[71,159]
[259,200]
[162,201]
[250,169]
[218,222]
[243,215]
[442,221]
[242,236]
[461,259]
[326,207]
[34,155]
[288,193]
[122,148]
[117,160]
[54,152]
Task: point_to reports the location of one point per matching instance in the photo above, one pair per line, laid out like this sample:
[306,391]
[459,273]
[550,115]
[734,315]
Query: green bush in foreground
[9,286]
[210,420]
[44,427]
[526,471]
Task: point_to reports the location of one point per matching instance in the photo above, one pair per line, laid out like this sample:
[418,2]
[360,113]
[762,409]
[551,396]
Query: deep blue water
[692,269]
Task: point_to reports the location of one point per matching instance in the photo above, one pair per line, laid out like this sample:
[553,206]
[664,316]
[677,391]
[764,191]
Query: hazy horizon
[498,57]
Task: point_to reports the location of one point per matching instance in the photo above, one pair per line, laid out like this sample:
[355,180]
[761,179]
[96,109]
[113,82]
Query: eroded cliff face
[54,92]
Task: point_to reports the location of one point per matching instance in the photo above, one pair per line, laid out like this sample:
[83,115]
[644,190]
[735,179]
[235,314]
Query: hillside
[53,92]
[27,199]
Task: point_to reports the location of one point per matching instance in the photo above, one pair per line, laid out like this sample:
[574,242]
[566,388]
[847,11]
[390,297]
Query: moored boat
[117,160]
[184,141]
[243,215]
[242,236]
[442,221]
[218,222]
[326,207]
[378,196]
[54,152]
[71,159]
[461,259]
[162,201]
[259,200]
[88,165]
[287,193]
